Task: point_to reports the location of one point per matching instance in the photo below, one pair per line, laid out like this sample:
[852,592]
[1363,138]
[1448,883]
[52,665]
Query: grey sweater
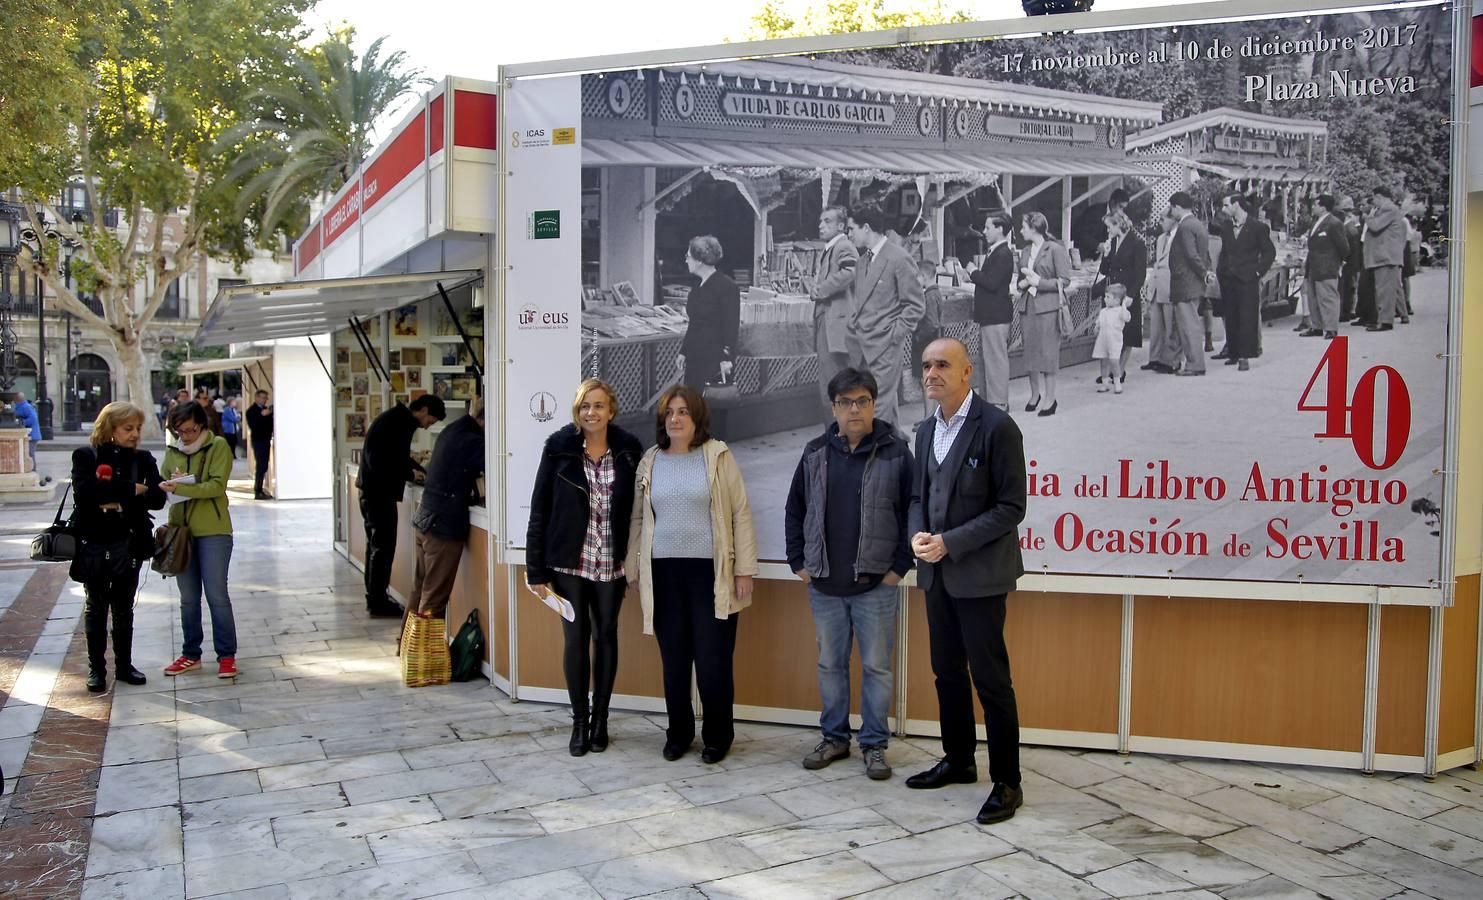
[682,506]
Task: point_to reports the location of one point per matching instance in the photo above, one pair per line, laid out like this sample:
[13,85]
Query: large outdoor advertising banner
[1272,197]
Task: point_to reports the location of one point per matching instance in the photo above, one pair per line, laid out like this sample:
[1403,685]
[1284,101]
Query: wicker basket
[425,658]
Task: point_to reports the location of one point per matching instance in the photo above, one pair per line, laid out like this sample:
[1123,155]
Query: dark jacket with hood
[558,502]
[870,533]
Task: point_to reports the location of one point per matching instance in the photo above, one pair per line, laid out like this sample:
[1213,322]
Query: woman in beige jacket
[692,554]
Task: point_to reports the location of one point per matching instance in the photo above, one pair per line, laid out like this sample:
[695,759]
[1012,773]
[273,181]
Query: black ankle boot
[129,675]
[578,744]
[597,733]
[96,683]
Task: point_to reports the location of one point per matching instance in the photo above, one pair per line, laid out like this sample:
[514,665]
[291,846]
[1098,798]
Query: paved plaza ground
[317,774]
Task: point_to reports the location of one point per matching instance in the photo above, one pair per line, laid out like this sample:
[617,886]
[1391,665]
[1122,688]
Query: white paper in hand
[560,604]
[172,499]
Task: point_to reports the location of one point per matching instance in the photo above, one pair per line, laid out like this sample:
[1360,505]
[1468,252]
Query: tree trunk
[136,381]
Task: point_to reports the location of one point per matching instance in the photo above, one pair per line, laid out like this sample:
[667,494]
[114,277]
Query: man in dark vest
[386,465]
[968,498]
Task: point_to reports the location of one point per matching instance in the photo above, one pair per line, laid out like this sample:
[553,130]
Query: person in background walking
[25,416]
[260,431]
[1126,263]
[1164,354]
[692,553]
[1189,272]
[833,293]
[888,305]
[231,424]
[207,458]
[1328,248]
[116,485]
[846,539]
[1353,263]
[386,465]
[993,306]
[1385,247]
[714,307]
[1044,274]
[1246,254]
[203,400]
[580,508]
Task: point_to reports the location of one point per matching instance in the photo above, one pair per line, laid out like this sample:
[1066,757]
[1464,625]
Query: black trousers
[232,443]
[115,595]
[1348,292]
[690,635]
[260,454]
[1367,310]
[379,516]
[967,637]
[597,604]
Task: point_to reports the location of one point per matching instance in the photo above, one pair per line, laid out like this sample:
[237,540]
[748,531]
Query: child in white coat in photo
[1108,350]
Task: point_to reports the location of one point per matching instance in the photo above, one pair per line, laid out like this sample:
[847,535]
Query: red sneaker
[182,664]
[227,667]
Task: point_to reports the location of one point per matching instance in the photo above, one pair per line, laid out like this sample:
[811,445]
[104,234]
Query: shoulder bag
[58,543]
[172,543]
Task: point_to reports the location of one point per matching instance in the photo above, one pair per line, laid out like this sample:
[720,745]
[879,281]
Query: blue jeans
[210,557]
[869,618]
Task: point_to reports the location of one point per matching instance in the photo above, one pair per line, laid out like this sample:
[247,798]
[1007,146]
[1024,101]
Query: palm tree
[313,130]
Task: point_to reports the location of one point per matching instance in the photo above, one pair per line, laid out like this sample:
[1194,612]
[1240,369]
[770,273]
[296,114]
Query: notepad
[172,499]
[559,603]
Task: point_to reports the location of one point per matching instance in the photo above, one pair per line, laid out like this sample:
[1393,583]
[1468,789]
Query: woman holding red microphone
[115,485]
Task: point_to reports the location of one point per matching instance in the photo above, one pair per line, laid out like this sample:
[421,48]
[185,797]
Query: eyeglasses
[860,403]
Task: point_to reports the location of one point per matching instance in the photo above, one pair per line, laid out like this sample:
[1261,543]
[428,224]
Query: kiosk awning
[288,309]
[209,366]
[707,154]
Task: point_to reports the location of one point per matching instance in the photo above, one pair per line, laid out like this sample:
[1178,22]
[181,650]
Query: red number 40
[1354,417]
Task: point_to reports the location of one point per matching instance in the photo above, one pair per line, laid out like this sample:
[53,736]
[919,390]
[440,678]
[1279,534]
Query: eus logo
[533,318]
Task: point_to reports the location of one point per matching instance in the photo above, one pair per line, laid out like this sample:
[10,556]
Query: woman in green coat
[207,458]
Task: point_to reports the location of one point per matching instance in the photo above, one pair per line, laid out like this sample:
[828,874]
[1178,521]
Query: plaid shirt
[597,546]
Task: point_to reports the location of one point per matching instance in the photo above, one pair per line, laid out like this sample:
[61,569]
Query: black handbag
[58,543]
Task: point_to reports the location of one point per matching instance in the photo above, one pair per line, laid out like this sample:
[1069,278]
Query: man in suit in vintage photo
[833,292]
[1384,253]
[993,305]
[968,499]
[1189,271]
[1246,253]
[888,304]
[1328,248]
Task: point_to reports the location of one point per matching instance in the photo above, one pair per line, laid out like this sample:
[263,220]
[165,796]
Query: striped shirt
[597,563]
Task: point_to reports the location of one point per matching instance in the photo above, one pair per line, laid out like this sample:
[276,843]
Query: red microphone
[105,472]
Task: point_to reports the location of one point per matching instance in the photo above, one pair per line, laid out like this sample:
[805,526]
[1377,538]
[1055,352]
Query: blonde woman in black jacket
[115,485]
[575,544]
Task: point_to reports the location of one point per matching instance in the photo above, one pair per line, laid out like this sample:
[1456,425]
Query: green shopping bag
[467,649]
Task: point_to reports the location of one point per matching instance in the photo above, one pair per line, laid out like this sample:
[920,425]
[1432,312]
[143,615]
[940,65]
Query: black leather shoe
[1380,328]
[673,750]
[385,610]
[1049,410]
[96,682]
[712,755]
[578,744]
[1312,332]
[942,775]
[1003,800]
[130,675]
[597,733]
[1030,407]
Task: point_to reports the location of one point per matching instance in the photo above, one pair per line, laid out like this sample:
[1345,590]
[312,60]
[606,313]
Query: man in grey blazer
[833,292]
[1189,272]
[887,306]
[1385,249]
[968,499]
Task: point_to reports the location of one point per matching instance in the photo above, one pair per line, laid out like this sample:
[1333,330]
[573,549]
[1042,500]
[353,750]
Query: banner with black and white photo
[1280,419]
